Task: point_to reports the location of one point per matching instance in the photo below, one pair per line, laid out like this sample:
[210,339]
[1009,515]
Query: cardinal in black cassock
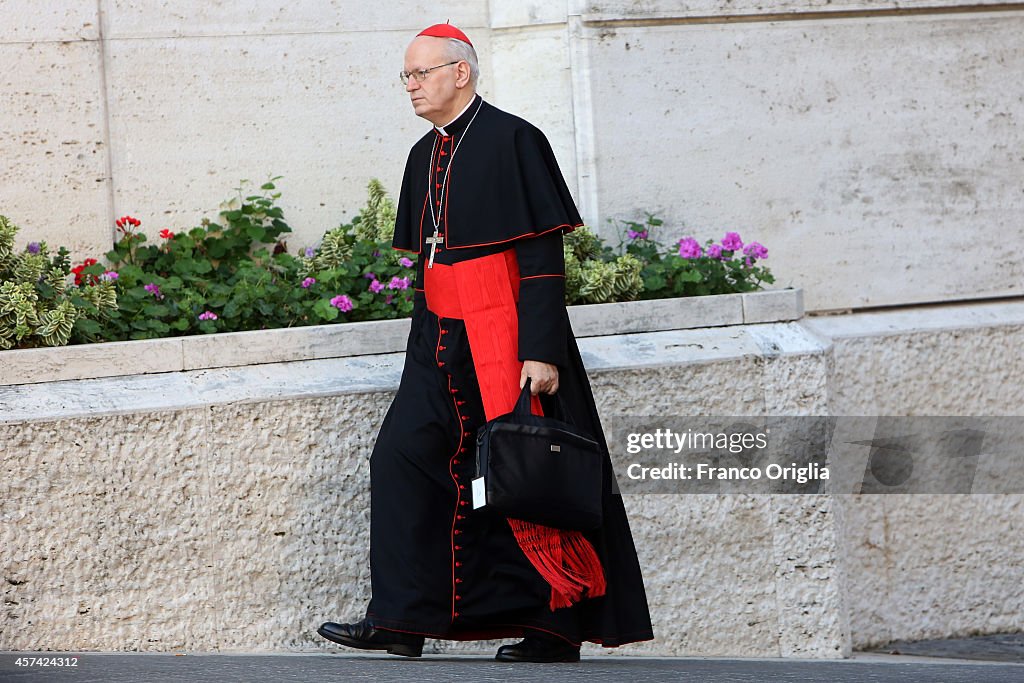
[484,205]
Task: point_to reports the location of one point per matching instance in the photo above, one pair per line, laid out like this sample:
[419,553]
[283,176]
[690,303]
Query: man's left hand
[543,377]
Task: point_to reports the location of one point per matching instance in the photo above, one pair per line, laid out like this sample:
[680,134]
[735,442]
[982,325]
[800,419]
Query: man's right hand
[543,377]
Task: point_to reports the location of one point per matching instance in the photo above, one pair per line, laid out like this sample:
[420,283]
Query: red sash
[483,292]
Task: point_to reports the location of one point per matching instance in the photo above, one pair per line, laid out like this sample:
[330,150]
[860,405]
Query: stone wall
[929,566]
[858,140]
[226,508]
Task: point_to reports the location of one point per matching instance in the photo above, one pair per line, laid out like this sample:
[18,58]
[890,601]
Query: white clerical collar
[441,130]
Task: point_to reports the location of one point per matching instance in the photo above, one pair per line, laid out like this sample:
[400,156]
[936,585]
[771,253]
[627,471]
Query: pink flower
[405,262]
[714,251]
[756,249]
[688,248]
[732,241]
[376,286]
[308,282]
[208,315]
[399,283]
[388,298]
[342,303]
[109,275]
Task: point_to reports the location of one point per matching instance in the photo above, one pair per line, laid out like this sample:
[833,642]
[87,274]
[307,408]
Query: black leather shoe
[365,637]
[539,649]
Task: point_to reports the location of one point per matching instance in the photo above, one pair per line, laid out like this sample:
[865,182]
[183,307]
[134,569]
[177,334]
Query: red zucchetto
[445,31]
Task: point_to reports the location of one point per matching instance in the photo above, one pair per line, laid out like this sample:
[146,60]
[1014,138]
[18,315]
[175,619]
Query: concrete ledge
[258,347]
[900,321]
[325,377]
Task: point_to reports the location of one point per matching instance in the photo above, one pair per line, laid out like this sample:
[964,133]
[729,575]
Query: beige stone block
[933,566]
[327,114]
[589,320]
[109,549]
[925,374]
[84,361]
[798,384]
[910,320]
[807,556]
[53,182]
[533,80]
[844,146]
[679,389]
[291,505]
[773,305]
[296,343]
[695,583]
[27,21]
[611,10]
[163,18]
[504,14]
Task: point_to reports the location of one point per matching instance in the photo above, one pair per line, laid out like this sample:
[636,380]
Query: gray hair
[464,51]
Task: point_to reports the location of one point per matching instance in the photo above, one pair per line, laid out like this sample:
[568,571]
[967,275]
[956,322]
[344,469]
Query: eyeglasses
[421,74]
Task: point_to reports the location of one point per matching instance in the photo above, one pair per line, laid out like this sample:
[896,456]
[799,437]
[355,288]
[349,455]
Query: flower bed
[236,275]
[232,349]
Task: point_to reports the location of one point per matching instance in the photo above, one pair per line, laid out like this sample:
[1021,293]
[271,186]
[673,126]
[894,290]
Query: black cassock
[438,566]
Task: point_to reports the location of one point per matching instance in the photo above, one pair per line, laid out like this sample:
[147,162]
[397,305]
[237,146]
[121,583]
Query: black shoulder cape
[504,184]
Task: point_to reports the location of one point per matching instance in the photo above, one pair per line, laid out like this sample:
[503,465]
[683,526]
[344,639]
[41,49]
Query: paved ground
[1003,647]
[231,668]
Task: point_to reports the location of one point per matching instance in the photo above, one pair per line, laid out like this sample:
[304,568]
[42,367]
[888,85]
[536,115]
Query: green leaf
[215,248]
[654,282]
[324,310]
[690,276]
[87,326]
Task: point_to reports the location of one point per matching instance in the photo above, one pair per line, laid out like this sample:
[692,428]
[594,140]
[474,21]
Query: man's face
[432,99]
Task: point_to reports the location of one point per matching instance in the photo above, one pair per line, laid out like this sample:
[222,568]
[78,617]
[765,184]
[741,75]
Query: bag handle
[522,406]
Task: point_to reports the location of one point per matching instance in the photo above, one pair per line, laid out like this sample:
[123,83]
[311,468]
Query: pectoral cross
[433,242]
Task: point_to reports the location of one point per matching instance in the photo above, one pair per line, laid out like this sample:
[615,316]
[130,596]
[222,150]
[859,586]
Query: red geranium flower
[124,221]
[166,234]
[77,270]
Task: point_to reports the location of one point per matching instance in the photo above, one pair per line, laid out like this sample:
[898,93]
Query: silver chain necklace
[444,183]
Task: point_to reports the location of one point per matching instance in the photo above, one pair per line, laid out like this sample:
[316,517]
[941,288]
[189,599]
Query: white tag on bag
[479,493]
